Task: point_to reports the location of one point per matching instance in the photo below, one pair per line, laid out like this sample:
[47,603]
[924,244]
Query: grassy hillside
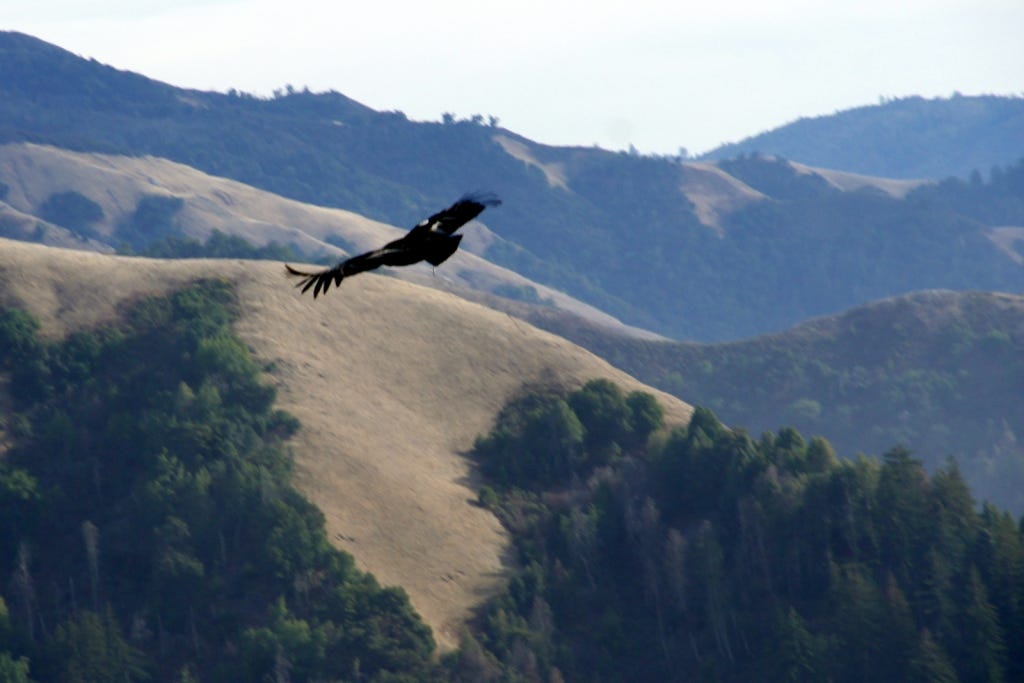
[392,382]
[153,533]
[939,372]
[686,250]
[908,137]
[150,519]
[149,205]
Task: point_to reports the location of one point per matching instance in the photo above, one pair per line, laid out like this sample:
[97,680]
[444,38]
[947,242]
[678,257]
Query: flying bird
[432,240]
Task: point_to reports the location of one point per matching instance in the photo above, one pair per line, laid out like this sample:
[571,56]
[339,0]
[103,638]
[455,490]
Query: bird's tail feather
[319,281]
[296,272]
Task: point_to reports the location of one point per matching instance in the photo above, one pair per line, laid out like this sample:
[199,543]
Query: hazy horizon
[656,75]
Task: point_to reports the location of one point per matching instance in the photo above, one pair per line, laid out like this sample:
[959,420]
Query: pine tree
[901,636]
[13,670]
[981,650]
[710,580]
[89,648]
[902,512]
[858,620]
[929,662]
[999,554]
[794,652]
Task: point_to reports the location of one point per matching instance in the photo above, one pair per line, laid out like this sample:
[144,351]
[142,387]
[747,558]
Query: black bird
[432,240]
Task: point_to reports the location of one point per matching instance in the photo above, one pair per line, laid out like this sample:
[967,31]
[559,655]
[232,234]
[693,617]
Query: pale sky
[659,74]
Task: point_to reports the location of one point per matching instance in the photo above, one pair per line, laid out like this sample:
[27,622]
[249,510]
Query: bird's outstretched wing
[321,280]
[431,240]
[468,207]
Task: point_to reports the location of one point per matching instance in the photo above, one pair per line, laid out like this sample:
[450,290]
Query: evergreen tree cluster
[153,230]
[72,210]
[218,245]
[938,372]
[541,439]
[708,555]
[150,530]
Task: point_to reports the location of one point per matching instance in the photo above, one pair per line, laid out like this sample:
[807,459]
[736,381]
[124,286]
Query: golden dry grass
[391,381]
[714,193]
[1010,240]
[554,173]
[116,183]
[850,182]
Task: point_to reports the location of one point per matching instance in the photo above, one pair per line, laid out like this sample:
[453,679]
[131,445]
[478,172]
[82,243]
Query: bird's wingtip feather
[485,197]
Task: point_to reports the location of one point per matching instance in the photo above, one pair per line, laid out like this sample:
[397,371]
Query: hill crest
[392,383]
[118,184]
[905,137]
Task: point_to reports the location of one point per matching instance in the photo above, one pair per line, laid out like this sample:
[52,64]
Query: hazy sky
[656,74]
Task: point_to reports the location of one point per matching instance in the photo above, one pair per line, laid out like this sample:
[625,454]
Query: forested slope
[709,555]
[151,527]
[392,383]
[938,372]
[904,137]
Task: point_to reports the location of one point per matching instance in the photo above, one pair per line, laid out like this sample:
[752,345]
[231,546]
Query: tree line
[151,532]
[707,554]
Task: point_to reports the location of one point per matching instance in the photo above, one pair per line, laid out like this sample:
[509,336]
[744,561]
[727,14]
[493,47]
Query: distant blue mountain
[910,137]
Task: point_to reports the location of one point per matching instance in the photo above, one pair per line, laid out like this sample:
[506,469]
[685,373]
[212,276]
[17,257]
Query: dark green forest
[150,530]
[217,245]
[938,372]
[707,555]
[152,229]
[622,236]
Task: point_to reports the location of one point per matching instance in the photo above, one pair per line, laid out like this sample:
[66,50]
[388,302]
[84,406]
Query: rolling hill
[907,137]
[688,250]
[392,383]
[939,372]
[139,200]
